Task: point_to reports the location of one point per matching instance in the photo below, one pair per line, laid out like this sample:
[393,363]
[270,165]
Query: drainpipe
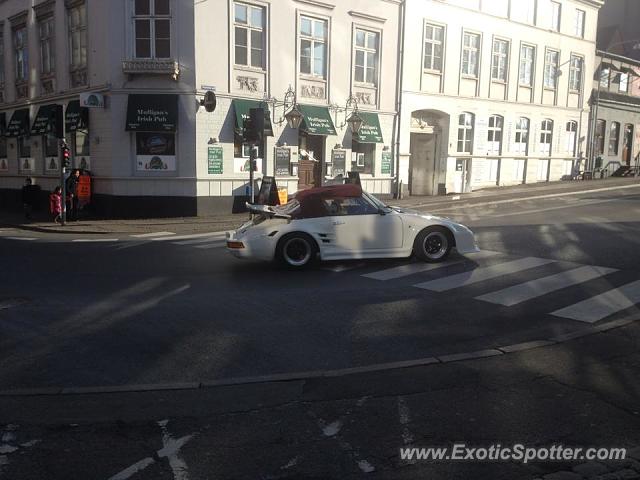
[397,123]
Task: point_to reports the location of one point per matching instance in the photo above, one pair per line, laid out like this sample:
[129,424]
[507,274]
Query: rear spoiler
[266,210]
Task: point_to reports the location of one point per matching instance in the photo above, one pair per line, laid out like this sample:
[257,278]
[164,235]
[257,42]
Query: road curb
[301,376]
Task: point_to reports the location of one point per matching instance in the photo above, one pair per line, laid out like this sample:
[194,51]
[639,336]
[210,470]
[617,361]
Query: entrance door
[627,144]
[422,164]
[308,174]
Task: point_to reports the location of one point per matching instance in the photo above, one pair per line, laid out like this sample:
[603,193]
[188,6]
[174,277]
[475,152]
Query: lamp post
[351,115]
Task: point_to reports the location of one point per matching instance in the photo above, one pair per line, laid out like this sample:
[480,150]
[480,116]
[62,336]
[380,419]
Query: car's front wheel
[296,250]
[433,244]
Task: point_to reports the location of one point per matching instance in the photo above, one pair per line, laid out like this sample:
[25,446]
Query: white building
[494,92]
[151,147]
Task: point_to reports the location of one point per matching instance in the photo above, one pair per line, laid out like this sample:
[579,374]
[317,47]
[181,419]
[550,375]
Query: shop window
[522,136]
[3,147]
[50,143]
[546,137]
[156,151]
[465,132]
[363,157]
[601,128]
[572,131]
[24,147]
[494,135]
[81,140]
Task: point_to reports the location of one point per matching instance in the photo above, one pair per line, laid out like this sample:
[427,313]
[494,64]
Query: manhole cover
[12,302]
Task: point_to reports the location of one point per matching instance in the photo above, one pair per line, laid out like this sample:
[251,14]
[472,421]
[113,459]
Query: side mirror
[381,212]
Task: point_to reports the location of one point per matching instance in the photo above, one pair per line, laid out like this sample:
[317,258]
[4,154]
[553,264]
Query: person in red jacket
[55,204]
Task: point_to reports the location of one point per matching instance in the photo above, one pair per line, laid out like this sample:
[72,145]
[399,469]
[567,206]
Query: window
[522,136]
[1,59]
[78,36]
[366,57]
[500,60]
[525,11]
[24,147]
[152,25]
[614,134]
[601,128]
[313,47]
[579,23]
[527,60]
[21,54]
[249,35]
[494,137]
[47,46]
[575,74]
[50,143]
[349,206]
[3,152]
[546,137]
[82,145]
[465,132]
[556,10]
[605,73]
[362,157]
[623,86]
[433,47]
[572,130]
[470,52]
[550,69]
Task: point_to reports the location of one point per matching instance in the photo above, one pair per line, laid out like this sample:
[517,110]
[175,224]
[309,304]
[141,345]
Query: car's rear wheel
[433,244]
[296,250]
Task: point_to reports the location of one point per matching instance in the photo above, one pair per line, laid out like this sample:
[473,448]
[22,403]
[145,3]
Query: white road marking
[154,234]
[202,240]
[541,210]
[95,240]
[220,244]
[186,237]
[418,267]
[405,418]
[481,274]
[603,305]
[536,288]
[171,448]
[25,239]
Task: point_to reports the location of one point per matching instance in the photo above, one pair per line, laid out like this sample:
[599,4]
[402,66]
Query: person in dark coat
[29,197]
[72,194]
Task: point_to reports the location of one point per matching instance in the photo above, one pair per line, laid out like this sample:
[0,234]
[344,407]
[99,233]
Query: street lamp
[351,115]
[289,104]
[294,117]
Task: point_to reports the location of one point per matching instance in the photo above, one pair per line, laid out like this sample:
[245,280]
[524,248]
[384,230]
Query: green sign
[214,160]
[386,163]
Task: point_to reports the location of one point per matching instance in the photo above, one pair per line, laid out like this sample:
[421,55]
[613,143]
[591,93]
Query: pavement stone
[590,469]
[563,476]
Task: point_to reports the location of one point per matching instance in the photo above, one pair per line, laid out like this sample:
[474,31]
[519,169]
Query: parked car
[340,222]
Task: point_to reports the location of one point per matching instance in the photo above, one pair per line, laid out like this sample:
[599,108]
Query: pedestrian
[72,194]
[29,197]
[55,204]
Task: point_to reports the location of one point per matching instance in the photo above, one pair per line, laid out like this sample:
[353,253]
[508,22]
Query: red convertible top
[347,190]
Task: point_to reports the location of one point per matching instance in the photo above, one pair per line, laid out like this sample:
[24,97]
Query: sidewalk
[187,225]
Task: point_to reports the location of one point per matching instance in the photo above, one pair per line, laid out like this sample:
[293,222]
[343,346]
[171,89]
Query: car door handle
[337,222]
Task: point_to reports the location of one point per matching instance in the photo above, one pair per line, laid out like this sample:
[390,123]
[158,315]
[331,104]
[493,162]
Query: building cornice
[44,9]
[317,3]
[614,56]
[366,16]
[19,19]
[592,3]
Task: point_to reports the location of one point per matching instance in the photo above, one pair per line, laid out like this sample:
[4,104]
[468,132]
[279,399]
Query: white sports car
[340,222]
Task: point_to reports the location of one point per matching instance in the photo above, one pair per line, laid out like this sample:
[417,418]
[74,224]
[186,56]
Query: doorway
[627,144]
[311,165]
[422,164]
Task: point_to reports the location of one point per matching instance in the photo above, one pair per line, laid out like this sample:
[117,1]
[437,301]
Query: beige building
[494,92]
[131,76]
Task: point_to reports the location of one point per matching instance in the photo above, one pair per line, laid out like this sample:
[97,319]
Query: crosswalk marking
[603,305]
[202,240]
[536,288]
[94,240]
[480,274]
[218,244]
[153,234]
[419,267]
[186,237]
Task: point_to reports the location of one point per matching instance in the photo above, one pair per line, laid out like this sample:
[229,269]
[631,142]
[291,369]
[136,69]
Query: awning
[152,113]
[316,120]
[76,117]
[45,120]
[19,124]
[370,132]
[242,109]
[3,124]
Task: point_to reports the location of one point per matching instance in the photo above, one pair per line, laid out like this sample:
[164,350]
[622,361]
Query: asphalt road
[166,310]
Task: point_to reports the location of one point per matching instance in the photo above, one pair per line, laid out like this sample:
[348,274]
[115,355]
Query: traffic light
[253,126]
[66,155]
